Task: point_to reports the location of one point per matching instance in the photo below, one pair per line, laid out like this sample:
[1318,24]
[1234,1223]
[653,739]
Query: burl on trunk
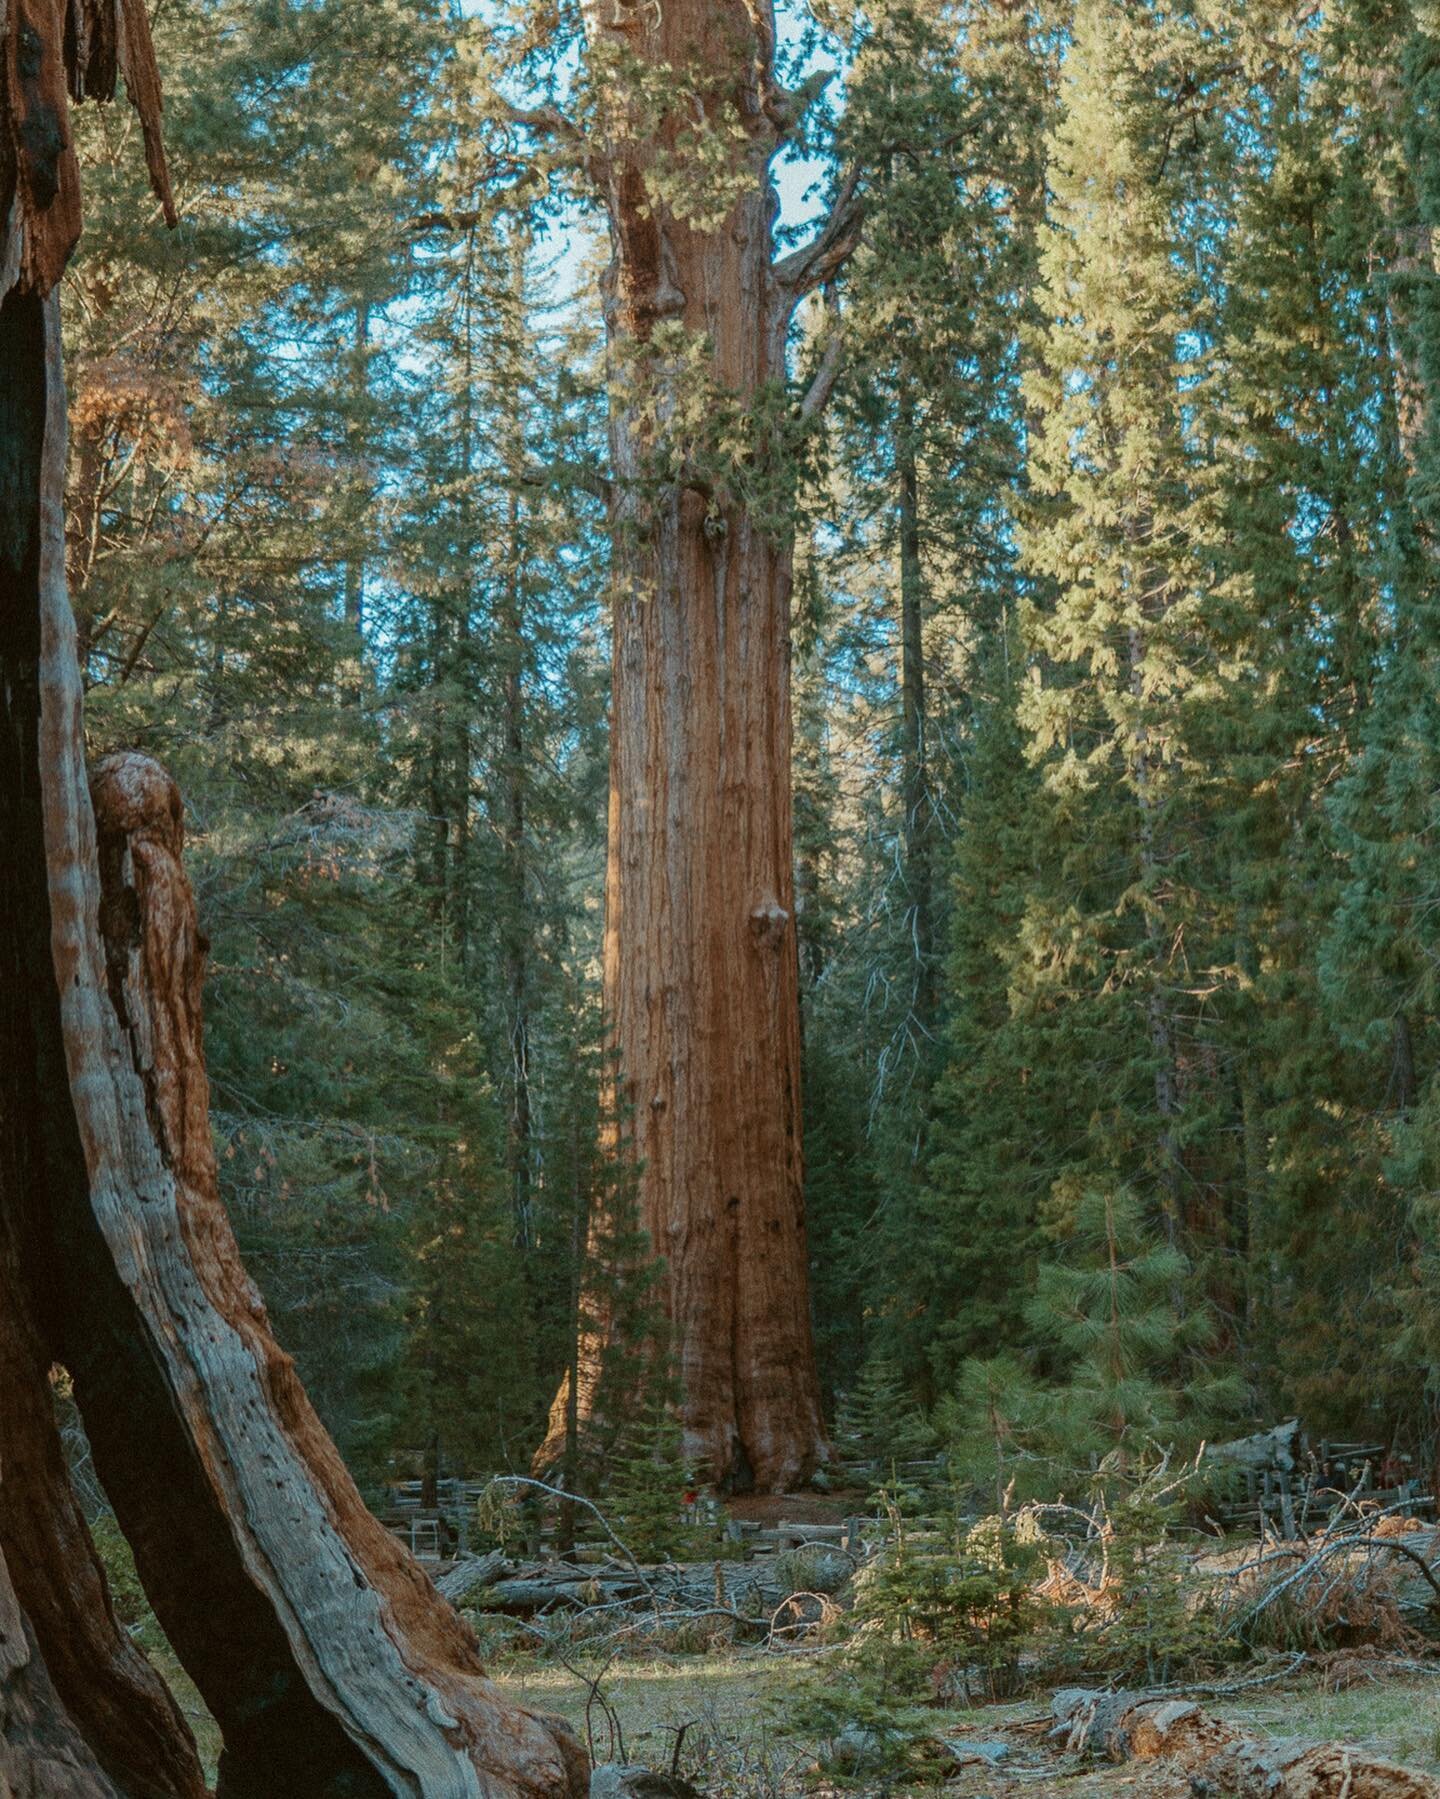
[329,1661]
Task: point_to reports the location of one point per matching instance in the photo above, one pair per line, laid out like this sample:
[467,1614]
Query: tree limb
[545,121]
[829,250]
[822,383]
[786,107]
[588,480]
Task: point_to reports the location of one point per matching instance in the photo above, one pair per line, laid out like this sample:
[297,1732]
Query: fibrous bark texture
[338,1653]
[76,1696]
[52,51]
[700,961]
[329,1661]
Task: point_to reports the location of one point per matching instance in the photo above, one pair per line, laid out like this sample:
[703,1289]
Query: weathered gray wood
[751,1589]
[469,1576]
[1222,1759]
[1287,1506]
[324,1653]
[1274,1450]
[791,1536]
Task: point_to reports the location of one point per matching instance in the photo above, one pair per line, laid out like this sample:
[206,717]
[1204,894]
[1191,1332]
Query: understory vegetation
[874,1671]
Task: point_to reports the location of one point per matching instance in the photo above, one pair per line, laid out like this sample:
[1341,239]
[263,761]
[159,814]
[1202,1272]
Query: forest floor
[737,1746]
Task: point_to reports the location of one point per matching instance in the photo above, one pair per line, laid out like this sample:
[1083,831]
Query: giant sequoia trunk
[329,1661]
[700,963]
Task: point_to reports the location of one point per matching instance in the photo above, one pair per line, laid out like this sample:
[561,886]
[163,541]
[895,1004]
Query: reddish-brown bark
[329,1661]
[81,1711]
[358,1621]
[700,969]
[51,49]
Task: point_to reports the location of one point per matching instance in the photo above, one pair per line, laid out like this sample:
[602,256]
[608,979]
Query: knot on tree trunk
[155,953]
[768,922]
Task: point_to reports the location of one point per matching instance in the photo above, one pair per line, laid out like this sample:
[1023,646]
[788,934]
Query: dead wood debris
[1221,1760]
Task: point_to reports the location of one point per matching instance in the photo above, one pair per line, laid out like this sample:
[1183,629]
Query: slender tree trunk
[579,1221]
[516,922]
[355,562]
[1404,1084]
[1159,1013]
[330,1663]
[700,965]
[915,776]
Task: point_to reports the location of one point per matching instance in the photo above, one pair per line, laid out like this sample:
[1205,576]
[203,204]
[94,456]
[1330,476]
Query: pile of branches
[1369,1577]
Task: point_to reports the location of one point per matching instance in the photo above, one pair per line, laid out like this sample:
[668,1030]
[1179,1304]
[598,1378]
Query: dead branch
[821,260]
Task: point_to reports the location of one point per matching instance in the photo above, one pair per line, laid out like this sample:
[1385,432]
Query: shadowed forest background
[1114,668]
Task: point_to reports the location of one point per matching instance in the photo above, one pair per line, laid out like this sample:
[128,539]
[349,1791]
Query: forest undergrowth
[931,1661]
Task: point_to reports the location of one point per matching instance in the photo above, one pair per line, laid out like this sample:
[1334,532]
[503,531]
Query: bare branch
[446,221]
[786,107]
[819,261]
[542,1486]
[588,480]
[545,121]
[822,383]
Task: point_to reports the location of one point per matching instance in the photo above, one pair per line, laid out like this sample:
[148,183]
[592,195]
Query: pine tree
[1001,1102]
[877,1423]
[1123,647]
[1309,510]
[1109,1314]
[932,447]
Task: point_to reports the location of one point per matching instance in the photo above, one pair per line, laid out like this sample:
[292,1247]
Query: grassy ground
[207,1736]
[1392,1715]
[725,1712]
[735,1743]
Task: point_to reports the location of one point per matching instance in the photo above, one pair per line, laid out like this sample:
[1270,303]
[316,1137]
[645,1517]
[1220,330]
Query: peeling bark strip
[700,959]
[52,51]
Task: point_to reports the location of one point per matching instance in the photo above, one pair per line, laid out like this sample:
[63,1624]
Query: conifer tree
[1120,639]
[935,416]
[682,112]
[1108,1311]
[1309,551]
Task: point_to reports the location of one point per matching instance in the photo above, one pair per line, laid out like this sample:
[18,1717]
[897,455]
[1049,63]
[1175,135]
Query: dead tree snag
[330,1662]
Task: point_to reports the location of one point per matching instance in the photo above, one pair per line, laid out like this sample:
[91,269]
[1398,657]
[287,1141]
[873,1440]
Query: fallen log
[470,1576]
[1276,1450]
[1221,1760]
[746,1591]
